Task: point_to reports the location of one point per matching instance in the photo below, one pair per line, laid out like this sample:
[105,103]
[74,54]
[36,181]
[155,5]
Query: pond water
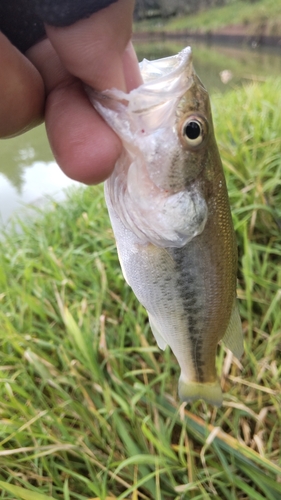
[28,171]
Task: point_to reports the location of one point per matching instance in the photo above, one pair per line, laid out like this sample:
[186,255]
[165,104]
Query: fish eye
[193,131]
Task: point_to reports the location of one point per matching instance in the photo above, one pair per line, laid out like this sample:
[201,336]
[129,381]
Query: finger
[84,146]
[21,91]
[94,49]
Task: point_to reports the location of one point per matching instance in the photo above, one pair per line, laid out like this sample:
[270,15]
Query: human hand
[22,93]
[94,51]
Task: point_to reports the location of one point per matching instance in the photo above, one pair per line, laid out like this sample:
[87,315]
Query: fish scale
[169,209]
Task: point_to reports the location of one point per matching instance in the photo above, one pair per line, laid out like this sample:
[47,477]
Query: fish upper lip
[159,84]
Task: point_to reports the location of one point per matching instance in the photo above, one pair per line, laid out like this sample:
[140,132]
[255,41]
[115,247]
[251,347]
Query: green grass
[248,14]
[88,403]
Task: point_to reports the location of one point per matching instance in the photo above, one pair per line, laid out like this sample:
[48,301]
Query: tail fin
[190,391]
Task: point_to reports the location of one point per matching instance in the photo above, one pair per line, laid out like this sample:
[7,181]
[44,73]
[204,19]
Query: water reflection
[28,172]
[19,153]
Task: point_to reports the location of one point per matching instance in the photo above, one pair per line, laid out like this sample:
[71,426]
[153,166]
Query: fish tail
[209,392]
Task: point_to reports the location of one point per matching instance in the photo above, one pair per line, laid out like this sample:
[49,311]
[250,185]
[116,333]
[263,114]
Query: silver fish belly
[170,214]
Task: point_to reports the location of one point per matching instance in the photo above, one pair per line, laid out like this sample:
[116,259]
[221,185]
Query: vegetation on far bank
[238,17]
[88,403]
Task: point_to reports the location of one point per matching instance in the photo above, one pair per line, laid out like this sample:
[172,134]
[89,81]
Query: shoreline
[252,40]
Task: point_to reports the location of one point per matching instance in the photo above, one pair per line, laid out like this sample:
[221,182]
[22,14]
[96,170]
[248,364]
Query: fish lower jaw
[190,391]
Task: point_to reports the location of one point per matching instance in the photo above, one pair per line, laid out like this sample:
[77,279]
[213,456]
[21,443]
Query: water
[28,171]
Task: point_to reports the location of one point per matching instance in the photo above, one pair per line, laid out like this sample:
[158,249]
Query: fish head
[180,146]
[165,124]
[195,132]
[166,129]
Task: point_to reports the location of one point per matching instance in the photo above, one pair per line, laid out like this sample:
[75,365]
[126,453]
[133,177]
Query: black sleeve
[66,12]
[22,21]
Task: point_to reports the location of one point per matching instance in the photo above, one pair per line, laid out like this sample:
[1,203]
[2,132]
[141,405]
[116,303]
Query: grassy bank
[88,403]
[262,16]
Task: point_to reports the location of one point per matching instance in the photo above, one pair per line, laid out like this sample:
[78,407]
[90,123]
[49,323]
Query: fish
[169,209]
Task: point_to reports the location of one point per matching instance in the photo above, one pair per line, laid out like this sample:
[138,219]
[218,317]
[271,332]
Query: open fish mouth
[165,81]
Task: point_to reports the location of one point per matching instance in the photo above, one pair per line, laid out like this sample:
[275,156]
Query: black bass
[170,214]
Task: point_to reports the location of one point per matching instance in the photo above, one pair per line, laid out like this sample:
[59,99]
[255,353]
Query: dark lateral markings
[191,308]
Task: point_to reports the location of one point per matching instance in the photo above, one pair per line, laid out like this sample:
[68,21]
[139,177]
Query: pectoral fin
[233,337]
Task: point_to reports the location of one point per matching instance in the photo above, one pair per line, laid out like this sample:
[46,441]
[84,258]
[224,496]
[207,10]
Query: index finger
[97,50]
